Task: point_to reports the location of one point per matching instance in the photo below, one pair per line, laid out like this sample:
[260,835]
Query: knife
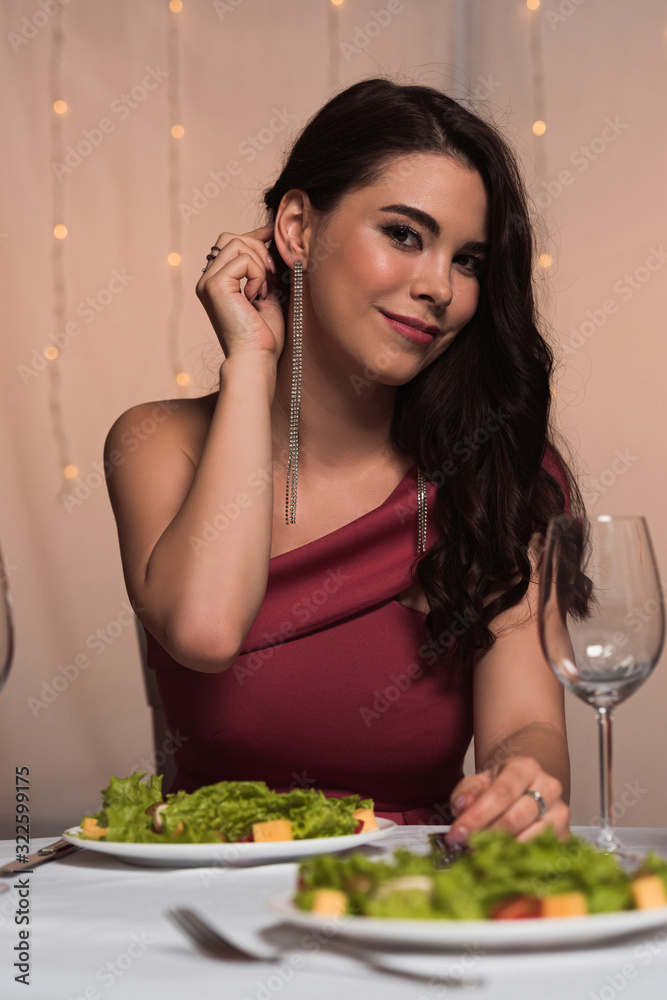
[60,849]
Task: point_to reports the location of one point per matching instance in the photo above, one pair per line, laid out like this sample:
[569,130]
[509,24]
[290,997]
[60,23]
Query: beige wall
[605,60]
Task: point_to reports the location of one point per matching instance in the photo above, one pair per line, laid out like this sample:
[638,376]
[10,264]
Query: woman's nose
[434,283]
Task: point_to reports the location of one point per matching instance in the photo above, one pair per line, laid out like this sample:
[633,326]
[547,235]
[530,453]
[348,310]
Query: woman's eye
[402,234]
[471,263]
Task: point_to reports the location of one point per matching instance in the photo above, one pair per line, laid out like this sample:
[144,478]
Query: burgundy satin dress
[335,687]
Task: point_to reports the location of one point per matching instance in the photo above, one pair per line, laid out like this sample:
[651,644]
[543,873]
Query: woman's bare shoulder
[182,423]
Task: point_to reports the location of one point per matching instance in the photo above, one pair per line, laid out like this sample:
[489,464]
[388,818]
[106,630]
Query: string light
[539,126]
[173,195]
[51,353]
[333,39]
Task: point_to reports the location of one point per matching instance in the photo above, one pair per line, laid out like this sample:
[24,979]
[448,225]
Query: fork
[215,944]
[443,854]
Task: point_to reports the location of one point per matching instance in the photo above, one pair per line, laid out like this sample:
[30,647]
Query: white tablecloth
[98,932]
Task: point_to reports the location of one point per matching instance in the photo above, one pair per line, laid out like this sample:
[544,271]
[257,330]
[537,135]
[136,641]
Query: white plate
[209,855]
[490,934]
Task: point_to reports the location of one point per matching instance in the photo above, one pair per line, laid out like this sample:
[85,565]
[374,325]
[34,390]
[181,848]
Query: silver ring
[211,256]
[541,804]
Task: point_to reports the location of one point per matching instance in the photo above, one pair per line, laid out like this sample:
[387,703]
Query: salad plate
[542,932]
[225,855]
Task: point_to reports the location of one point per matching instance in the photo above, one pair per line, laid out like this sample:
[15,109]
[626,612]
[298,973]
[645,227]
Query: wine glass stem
[605,717]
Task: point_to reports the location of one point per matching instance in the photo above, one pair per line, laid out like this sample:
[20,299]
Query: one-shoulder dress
[337,686]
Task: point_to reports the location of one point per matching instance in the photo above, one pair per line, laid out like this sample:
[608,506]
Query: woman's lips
[411,332]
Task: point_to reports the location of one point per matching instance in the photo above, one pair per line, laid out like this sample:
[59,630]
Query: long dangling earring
[422,512]
[295,397]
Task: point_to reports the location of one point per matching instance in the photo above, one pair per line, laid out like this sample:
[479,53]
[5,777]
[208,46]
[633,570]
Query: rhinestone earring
[422,512]
[295,397]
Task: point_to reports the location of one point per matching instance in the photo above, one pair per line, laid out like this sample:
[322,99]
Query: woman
[384,396]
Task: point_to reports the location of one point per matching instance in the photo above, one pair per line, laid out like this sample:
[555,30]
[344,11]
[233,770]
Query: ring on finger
[211,256]
[541,804]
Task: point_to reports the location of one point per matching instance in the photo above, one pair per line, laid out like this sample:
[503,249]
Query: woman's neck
[345,420]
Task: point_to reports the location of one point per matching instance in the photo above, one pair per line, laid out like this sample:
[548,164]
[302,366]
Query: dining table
[98,929]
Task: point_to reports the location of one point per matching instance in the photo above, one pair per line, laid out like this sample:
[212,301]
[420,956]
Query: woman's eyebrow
[429,223]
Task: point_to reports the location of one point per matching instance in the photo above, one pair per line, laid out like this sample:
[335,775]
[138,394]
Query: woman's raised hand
[500,801]
[248,320]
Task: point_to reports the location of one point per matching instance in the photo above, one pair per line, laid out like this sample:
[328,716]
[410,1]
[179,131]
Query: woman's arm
[198,587]
[520,737]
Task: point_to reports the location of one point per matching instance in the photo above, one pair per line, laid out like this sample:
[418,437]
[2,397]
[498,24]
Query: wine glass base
[607,842]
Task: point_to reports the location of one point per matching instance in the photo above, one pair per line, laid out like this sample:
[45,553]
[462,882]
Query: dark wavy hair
[477,420]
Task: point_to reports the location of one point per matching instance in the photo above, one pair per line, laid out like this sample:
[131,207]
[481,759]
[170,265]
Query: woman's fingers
[504,805]
[469,789]
[234,247]
[239,328]
[558,816]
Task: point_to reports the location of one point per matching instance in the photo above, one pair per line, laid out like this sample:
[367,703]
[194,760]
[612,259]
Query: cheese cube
[564,904]
[329,903]
[367,817]
[272,829]
[91,828]
[648,892]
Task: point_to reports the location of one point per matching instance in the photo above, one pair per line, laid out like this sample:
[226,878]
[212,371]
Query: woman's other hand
[499,801]
[248,320]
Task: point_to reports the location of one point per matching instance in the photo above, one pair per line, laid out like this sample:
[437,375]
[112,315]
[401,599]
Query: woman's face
[409,245]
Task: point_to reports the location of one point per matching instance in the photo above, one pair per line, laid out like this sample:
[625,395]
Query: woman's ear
[293,227]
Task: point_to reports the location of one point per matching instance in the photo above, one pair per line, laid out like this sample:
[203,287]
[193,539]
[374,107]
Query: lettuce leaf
[222,812]
[497,868]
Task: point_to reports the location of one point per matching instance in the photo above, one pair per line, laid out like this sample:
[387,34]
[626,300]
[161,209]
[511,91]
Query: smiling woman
[380,450]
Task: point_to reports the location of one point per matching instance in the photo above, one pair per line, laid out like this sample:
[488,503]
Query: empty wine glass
[602,623]
[6,627]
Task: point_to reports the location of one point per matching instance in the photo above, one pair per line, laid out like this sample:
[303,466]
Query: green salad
[134,810]
[498,878]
